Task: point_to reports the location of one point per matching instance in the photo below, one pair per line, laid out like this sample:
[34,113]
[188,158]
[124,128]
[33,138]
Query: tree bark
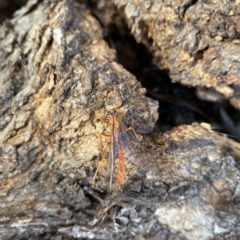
[196,41]
[58,80]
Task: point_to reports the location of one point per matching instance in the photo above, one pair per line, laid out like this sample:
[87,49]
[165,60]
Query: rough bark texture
[58,79]
[197,41]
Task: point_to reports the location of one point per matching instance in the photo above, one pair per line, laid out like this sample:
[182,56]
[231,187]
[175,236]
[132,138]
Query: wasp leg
[102,162]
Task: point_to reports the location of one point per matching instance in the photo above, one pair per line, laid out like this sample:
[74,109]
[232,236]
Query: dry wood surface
[59,78]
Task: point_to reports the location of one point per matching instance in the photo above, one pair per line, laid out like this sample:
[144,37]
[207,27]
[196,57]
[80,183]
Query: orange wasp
[119,144]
